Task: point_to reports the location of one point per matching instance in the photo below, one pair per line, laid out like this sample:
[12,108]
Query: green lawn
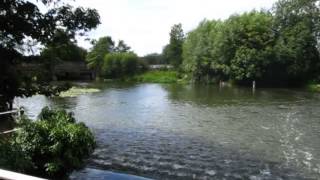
[314,87]
[158,77]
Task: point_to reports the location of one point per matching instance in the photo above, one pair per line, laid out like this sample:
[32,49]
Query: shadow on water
[215,95]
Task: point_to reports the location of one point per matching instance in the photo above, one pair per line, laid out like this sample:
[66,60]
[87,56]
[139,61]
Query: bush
[53,145]
[314,87]
[158,77]
[118,65]
[12,157]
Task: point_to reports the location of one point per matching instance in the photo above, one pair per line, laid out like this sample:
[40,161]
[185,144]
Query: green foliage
[122,47]
[52,146]
[118,65]
[298,25]
[199,51]
[12,157]
[63,49]
[21,22]
[253,43]
[173,51]
[158,77]
[313,87]
[154,58]
[100,48]
[279,48]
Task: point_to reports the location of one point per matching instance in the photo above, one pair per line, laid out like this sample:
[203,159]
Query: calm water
[199,132]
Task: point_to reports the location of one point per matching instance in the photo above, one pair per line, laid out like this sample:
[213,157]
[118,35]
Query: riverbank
[168,76]
[314,87]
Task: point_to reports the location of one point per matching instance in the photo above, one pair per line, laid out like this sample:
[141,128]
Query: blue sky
[145,24]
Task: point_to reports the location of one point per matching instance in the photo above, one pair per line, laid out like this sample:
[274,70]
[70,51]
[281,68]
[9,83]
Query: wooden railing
[14,111]
[9,112]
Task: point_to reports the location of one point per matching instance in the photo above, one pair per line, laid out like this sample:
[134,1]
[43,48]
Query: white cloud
[145,24]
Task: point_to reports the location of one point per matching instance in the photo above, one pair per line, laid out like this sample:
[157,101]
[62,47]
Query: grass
[158,77]
[314,87]
[76,91]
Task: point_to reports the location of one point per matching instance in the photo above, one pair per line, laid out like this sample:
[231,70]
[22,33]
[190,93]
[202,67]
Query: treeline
[172,52]
[62,48]
[275,47]
[111,60]
[154,58]
[107,58]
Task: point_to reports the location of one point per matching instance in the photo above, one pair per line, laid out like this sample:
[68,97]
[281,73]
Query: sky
[145,24]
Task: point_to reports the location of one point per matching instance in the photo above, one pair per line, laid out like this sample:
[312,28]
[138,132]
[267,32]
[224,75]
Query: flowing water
[198,132]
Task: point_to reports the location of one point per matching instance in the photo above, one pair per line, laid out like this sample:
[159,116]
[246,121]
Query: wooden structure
[72,71]
[160,66]
[65,70]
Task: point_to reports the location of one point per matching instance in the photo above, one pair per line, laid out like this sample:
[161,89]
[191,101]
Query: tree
[252,41]
[173,51]
[120,64]
[101,48]
[96,56]
[198,49]
[61,49]
[239,48]
[122,47]
[297,23]
[153,58]
[21,20]
[274,49]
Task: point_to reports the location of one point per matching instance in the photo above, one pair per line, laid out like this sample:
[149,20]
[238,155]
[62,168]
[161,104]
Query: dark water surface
[199,132]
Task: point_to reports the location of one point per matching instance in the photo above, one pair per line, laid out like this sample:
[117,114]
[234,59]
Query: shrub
[158,77]
[12,157]
[53,145]
[118,65]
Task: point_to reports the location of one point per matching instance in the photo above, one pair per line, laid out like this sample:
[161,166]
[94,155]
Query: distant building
[63,71]
[160,66]
[73,70]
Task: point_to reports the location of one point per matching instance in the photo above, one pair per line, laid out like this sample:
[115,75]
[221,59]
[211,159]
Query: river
[198,131]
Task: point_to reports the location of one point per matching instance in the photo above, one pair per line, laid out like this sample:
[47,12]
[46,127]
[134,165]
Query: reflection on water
[199,132]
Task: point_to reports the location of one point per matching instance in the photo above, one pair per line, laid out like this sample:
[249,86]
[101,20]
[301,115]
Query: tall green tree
[122,47]
[21,20]
[198,50]
[252,40]
[62,48]
[95,57]
[275,48]
[239,48]
[173,51]
[297,23]
[120,64]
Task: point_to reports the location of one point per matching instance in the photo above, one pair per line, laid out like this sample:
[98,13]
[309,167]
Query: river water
[197,131]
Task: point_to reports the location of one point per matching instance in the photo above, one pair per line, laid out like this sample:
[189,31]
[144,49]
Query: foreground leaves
[52,146]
